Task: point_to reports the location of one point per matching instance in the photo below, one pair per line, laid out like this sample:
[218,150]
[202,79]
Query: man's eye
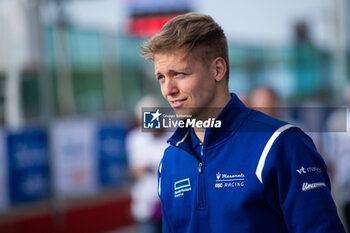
[159,77]
[179,74]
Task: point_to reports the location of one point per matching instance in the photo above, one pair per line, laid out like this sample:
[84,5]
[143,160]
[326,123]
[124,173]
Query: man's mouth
[177,103]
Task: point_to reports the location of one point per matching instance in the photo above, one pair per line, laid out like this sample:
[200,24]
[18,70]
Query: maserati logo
[225,180]
[218,175]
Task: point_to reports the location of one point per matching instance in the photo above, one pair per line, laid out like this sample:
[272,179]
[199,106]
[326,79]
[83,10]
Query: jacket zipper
[201,198]
[201,202]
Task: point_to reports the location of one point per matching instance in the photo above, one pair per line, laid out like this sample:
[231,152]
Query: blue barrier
[28,164]
[112,168]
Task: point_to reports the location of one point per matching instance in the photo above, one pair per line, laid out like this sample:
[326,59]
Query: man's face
[186,83]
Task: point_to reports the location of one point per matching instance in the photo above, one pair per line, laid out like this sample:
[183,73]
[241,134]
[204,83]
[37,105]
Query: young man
[255,173]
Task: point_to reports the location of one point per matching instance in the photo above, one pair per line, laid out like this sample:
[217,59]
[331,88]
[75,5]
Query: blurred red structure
[92,215]
[145,26]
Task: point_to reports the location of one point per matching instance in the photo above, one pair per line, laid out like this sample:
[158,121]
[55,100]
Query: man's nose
[170,87]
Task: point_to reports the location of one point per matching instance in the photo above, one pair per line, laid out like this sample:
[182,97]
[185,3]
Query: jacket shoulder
[259,122]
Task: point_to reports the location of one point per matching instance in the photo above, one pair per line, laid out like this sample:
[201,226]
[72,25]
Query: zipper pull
[202,149]
[200,165]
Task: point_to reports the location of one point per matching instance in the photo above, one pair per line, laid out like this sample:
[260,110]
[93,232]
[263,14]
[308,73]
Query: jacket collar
[231,117]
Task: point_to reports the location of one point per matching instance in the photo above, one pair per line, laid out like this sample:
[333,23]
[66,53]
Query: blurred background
[71,76]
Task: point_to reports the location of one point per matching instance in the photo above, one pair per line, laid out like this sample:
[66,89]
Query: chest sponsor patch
[182,186]
[229,180]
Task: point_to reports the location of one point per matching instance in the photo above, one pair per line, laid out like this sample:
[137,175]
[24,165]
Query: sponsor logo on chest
[224,180]
[181,187]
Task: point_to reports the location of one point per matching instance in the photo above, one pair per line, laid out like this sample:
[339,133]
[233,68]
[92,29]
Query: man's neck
[212,113]
[200,133]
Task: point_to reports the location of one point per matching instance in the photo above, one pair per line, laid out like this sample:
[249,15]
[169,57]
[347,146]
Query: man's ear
[220,68]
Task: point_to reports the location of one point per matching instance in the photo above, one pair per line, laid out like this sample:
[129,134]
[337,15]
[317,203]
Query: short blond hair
[192,33]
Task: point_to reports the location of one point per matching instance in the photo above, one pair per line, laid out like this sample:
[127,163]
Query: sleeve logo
[307,186]
[304,170]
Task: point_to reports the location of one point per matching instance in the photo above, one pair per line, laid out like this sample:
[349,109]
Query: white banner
[74,157]
[4,200]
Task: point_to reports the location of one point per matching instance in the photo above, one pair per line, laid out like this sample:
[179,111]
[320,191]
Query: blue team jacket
[254,174]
